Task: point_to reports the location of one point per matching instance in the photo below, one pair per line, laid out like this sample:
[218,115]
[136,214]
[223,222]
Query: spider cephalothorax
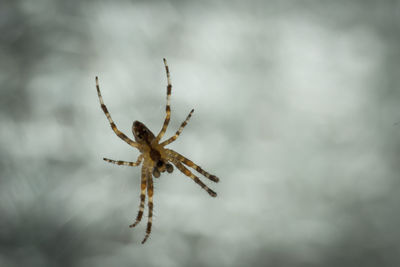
[156,158]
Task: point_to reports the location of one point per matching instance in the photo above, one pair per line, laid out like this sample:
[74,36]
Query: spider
[156,158]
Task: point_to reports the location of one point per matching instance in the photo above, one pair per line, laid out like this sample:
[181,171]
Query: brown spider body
[150,148]
[156,158]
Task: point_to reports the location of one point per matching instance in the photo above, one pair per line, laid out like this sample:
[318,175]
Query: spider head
[142,133]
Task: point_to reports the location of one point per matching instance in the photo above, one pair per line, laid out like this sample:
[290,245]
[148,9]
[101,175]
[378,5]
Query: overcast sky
[296,111]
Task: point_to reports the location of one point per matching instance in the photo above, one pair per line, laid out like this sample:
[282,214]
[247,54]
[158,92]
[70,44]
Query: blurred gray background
[296,110]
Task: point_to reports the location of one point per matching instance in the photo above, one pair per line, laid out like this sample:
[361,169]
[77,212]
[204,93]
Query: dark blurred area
[297,111]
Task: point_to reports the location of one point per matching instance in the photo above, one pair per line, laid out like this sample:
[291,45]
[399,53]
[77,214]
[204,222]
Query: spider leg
[126,163]
[173,138]
[150,204]
[142,195]
[191,164]
[113,126]
[168,106]
[188,173]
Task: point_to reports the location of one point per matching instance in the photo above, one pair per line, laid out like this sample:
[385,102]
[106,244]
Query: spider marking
[156,158]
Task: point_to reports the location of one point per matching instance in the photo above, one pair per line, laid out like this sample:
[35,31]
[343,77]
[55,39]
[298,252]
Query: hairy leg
[188,173]
[142,195]
[168,106]
[126,163]
[150,204]
[173,138]
[191,164]
[112,124]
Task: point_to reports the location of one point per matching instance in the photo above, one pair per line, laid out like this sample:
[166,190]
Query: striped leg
[168,107]
[126,163]
[191,164]
[113,126]
[173,138]
[142,195]
[186,172]
[150,204]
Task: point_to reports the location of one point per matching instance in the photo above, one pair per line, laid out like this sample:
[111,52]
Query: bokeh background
[296,110]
